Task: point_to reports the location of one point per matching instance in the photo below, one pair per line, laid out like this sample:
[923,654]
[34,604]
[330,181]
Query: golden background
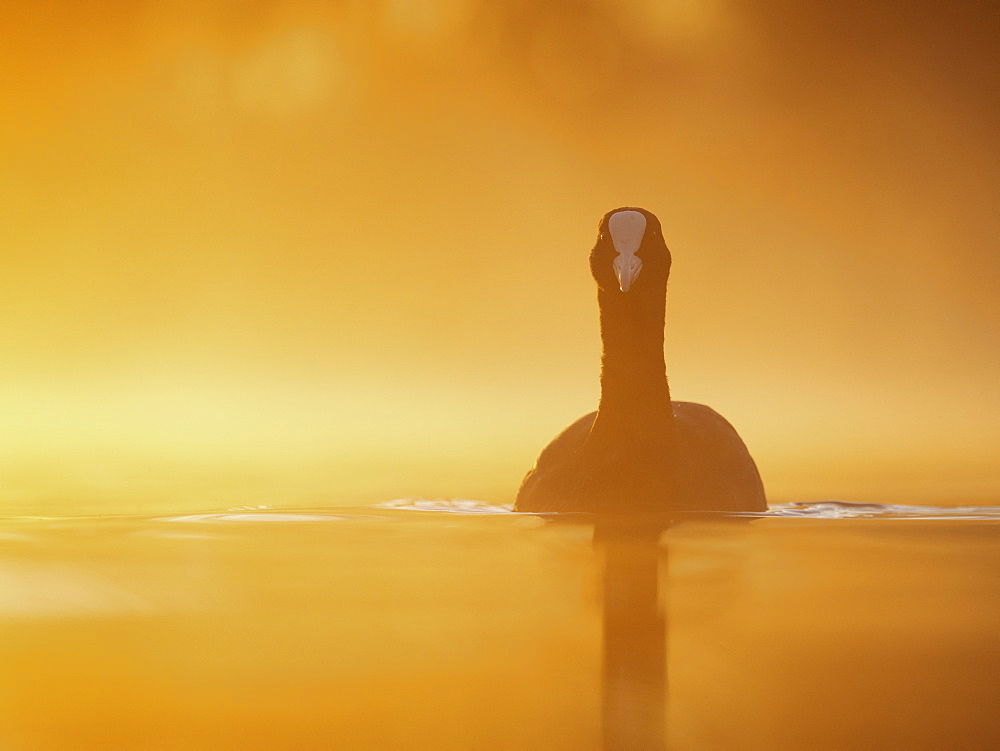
[335,253]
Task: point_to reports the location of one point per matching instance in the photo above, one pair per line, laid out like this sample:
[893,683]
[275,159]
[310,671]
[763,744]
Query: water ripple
[851,510]
[457,506]
[798,509]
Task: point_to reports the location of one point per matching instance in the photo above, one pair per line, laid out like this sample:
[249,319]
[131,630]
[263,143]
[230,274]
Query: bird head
[630,257]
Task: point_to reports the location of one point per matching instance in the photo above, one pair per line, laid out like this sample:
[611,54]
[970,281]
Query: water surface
[458,625]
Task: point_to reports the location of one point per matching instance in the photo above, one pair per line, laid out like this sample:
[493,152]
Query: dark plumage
[640,451]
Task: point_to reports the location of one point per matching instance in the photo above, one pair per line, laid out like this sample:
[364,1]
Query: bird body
[640,451]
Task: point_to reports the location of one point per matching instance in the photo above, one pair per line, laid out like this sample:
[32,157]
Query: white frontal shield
[627,229]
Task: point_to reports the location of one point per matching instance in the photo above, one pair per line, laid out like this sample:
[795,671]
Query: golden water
[467,627]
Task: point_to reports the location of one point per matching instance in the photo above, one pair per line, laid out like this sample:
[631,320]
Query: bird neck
[635,396]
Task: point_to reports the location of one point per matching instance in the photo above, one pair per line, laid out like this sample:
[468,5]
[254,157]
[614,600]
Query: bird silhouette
[640,451]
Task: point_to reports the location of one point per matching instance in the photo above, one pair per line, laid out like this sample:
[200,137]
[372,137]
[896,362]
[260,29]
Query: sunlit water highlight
[456,624]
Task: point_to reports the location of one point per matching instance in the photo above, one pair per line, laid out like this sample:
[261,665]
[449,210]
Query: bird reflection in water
[634,659]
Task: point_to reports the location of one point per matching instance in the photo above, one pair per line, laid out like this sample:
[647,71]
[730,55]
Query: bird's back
[711,464]
[715,469]
[552,476]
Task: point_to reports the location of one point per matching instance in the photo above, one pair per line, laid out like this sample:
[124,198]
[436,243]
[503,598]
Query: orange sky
[310,252]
